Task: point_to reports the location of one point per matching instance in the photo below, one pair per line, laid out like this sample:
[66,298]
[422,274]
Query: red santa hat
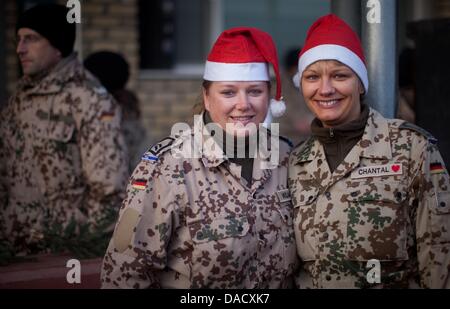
[330,38]
[243,54]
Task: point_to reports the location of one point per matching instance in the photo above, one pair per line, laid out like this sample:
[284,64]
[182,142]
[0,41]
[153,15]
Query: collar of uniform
[212,153]
[308,151]
[375,142]
[53,82]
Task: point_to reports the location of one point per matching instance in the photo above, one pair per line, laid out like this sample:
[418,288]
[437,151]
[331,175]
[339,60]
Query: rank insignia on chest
[139,184]
[283,195]
[377,171]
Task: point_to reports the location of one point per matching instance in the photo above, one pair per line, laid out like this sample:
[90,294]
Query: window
[176,35]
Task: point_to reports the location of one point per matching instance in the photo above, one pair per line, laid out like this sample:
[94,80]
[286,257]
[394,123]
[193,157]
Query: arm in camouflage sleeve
[432,217]
[103,155]
[3,156]
[138,249]
[3,185]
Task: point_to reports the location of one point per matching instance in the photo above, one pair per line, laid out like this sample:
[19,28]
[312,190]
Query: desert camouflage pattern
[402,220]
[62,156]
[194,223]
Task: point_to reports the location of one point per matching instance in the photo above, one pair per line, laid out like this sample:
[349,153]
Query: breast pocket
[221,250]
[304,225]
[377,221]
[58,157]
[441,217]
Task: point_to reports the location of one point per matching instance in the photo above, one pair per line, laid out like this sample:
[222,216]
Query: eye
[227,93]
[310,77]
[340,76]
[255,92]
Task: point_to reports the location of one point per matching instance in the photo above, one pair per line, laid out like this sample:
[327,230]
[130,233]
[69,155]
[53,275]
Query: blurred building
[166,41]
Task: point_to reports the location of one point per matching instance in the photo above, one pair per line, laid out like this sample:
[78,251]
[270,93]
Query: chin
[241,132]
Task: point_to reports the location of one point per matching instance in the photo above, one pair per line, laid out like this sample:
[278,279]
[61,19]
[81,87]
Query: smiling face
[237,104]
[35,52]
[332,92]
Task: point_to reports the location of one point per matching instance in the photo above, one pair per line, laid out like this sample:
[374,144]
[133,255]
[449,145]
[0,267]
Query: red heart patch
[395,167]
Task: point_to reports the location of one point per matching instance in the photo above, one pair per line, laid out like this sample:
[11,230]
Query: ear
[206,100]
[361,88]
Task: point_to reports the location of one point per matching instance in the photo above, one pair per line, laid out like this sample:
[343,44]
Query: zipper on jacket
[331,132]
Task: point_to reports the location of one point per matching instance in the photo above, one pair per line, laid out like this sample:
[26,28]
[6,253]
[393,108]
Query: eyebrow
[29,35]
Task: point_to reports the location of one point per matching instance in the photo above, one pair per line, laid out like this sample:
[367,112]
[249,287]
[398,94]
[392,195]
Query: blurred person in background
[296,124]
[63,158]
[406,91]
[113,71]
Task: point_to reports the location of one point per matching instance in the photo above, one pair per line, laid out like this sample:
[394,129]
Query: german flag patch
[139,184]
[437,168]
[107,116]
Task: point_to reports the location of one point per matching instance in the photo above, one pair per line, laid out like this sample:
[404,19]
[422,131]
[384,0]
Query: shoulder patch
[413,127]
[159,148]
[287,141]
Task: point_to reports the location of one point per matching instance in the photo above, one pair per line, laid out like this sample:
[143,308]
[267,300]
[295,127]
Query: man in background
[63,161]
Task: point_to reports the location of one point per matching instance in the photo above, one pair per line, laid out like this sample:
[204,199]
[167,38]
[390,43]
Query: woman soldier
[371,195]
[213,220]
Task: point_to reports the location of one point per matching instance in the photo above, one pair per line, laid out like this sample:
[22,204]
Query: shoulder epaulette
[158,149]
[413,127]
[96,86]
[304,148]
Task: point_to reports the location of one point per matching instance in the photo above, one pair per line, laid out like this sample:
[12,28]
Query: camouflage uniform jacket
[389,200]
[194,223]
[62,155]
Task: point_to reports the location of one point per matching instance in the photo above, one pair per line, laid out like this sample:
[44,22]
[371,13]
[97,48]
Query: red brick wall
[111,25]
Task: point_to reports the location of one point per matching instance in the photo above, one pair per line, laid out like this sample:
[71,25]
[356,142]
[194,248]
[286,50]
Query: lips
[242,119]
[328,103]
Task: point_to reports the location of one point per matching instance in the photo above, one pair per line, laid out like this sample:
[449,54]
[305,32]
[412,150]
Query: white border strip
[251,71]
[333,52]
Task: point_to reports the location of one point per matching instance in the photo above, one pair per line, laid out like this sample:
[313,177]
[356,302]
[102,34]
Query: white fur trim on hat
[296,80]
[251,71]
[333,52]
[277,107]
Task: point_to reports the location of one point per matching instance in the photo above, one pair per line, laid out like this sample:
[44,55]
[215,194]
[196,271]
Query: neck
[233,146]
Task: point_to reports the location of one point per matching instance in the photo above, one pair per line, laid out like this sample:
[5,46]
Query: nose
[243,101]
[21,47]
[326,87]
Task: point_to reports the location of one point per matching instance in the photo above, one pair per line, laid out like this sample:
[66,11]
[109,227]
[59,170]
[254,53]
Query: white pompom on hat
[330,38]
[242,54]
